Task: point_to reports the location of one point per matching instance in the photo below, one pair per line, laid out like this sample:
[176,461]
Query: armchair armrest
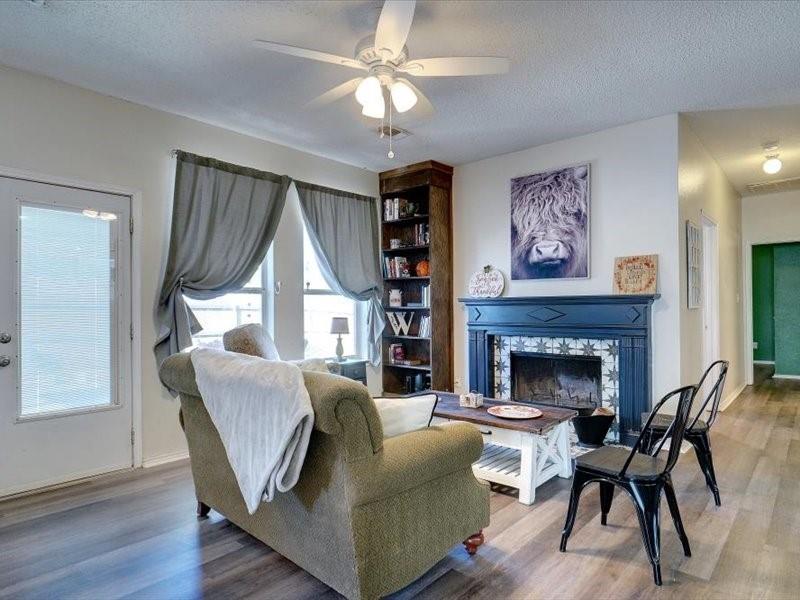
[413,459]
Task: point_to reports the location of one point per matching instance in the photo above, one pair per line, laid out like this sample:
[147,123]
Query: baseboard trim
[164,459]
[732,396]
[60,482]
[780,376]
[763,362]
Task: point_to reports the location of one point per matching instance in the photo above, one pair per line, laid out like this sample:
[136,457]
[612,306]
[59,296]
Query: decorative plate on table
[515,412]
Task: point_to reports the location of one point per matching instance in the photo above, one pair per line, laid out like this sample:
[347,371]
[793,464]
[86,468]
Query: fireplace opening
[567,381]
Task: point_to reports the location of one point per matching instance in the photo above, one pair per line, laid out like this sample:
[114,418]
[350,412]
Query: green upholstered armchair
[368,516]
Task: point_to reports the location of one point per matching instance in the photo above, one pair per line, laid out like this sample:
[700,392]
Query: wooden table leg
[527,470]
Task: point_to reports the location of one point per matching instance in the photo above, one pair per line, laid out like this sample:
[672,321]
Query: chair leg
[702,448]
[672,501]
[606,496]
[647,499]
[579,480]
[202,509]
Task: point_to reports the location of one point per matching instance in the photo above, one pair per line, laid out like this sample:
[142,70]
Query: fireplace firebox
[566,381]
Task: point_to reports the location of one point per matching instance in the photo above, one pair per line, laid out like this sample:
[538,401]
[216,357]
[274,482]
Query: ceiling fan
[385,58]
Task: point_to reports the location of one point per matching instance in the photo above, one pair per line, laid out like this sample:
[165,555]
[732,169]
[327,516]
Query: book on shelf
[426,295]
[407,362]
[424,327]
[422,236]
[398,208]
[396,266]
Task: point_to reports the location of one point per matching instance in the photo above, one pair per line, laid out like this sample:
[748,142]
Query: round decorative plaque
[486,283]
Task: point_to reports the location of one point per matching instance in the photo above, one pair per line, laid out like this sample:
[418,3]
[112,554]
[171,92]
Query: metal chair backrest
[675,430]
[715,395]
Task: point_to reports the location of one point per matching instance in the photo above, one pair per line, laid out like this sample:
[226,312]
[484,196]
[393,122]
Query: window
[320,305]
[221,314]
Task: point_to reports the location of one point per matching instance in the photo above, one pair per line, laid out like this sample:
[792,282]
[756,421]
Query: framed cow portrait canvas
[550,224]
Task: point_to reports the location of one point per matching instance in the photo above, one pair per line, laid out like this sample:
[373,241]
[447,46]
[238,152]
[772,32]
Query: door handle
[4,361]
[5,337]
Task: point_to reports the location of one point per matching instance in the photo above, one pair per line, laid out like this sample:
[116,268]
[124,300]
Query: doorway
[775,313]
[65,334]
[710,285]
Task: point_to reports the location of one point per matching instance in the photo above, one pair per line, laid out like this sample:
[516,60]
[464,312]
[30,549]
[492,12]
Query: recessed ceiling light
[772,165]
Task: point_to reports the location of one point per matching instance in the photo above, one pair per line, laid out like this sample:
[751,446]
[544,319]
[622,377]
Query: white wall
[634,210]
[704,189]
[62,130]
[771,218]
[766,219]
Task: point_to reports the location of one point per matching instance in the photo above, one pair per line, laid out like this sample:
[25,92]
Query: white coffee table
[517,453]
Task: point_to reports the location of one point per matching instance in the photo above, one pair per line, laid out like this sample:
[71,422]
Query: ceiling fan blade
[307,53]
[393,27]
[423,107]
[457,66]
[334,94]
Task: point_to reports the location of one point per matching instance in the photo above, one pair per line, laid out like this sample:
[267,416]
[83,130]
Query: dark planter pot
[592,430]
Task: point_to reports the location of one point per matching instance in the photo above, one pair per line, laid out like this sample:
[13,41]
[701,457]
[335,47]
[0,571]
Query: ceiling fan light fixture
[369,91]
[403,97]
[375,108]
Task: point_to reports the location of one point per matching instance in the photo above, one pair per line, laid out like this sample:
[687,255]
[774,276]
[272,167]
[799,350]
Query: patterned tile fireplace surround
[505,346]
[614,329]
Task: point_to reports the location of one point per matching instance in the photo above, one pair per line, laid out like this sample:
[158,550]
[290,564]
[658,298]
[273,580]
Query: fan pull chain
[391,152]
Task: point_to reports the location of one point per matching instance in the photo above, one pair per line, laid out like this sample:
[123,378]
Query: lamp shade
[339,325]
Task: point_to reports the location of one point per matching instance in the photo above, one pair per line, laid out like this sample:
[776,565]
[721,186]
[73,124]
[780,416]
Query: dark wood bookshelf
[428,186]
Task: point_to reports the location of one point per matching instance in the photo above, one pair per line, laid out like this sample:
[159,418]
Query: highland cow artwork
[550,224]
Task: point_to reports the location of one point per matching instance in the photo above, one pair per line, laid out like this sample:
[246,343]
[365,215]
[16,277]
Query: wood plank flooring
[134,535]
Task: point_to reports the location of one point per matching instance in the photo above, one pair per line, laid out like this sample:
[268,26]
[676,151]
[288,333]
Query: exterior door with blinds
[65,337]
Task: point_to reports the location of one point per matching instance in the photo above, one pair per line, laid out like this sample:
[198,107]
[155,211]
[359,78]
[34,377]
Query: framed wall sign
[694,264]
[636,274]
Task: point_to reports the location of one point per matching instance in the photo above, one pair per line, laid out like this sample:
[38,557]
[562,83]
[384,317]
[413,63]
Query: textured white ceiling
[735,139]
[577,67]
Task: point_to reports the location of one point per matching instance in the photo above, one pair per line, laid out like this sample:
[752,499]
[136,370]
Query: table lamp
[339,327]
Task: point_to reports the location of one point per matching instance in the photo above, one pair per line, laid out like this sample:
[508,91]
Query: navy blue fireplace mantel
[619,317]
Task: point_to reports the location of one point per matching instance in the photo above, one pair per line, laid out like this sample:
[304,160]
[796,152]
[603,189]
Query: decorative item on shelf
[636,274]
[398,323]
[486,283]
[395,298]
[397,352]
[694,262]
[395,243]
[423,268]
[471,400]
[339,327]
[556,202]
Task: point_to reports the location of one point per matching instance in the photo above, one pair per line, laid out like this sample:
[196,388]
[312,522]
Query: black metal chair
[643,477]
[697,430]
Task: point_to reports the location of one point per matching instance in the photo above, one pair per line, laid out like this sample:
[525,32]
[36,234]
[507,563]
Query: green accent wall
[763,302]
[787,308]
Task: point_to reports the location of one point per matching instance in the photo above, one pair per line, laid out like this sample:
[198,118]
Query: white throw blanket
[264,417]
